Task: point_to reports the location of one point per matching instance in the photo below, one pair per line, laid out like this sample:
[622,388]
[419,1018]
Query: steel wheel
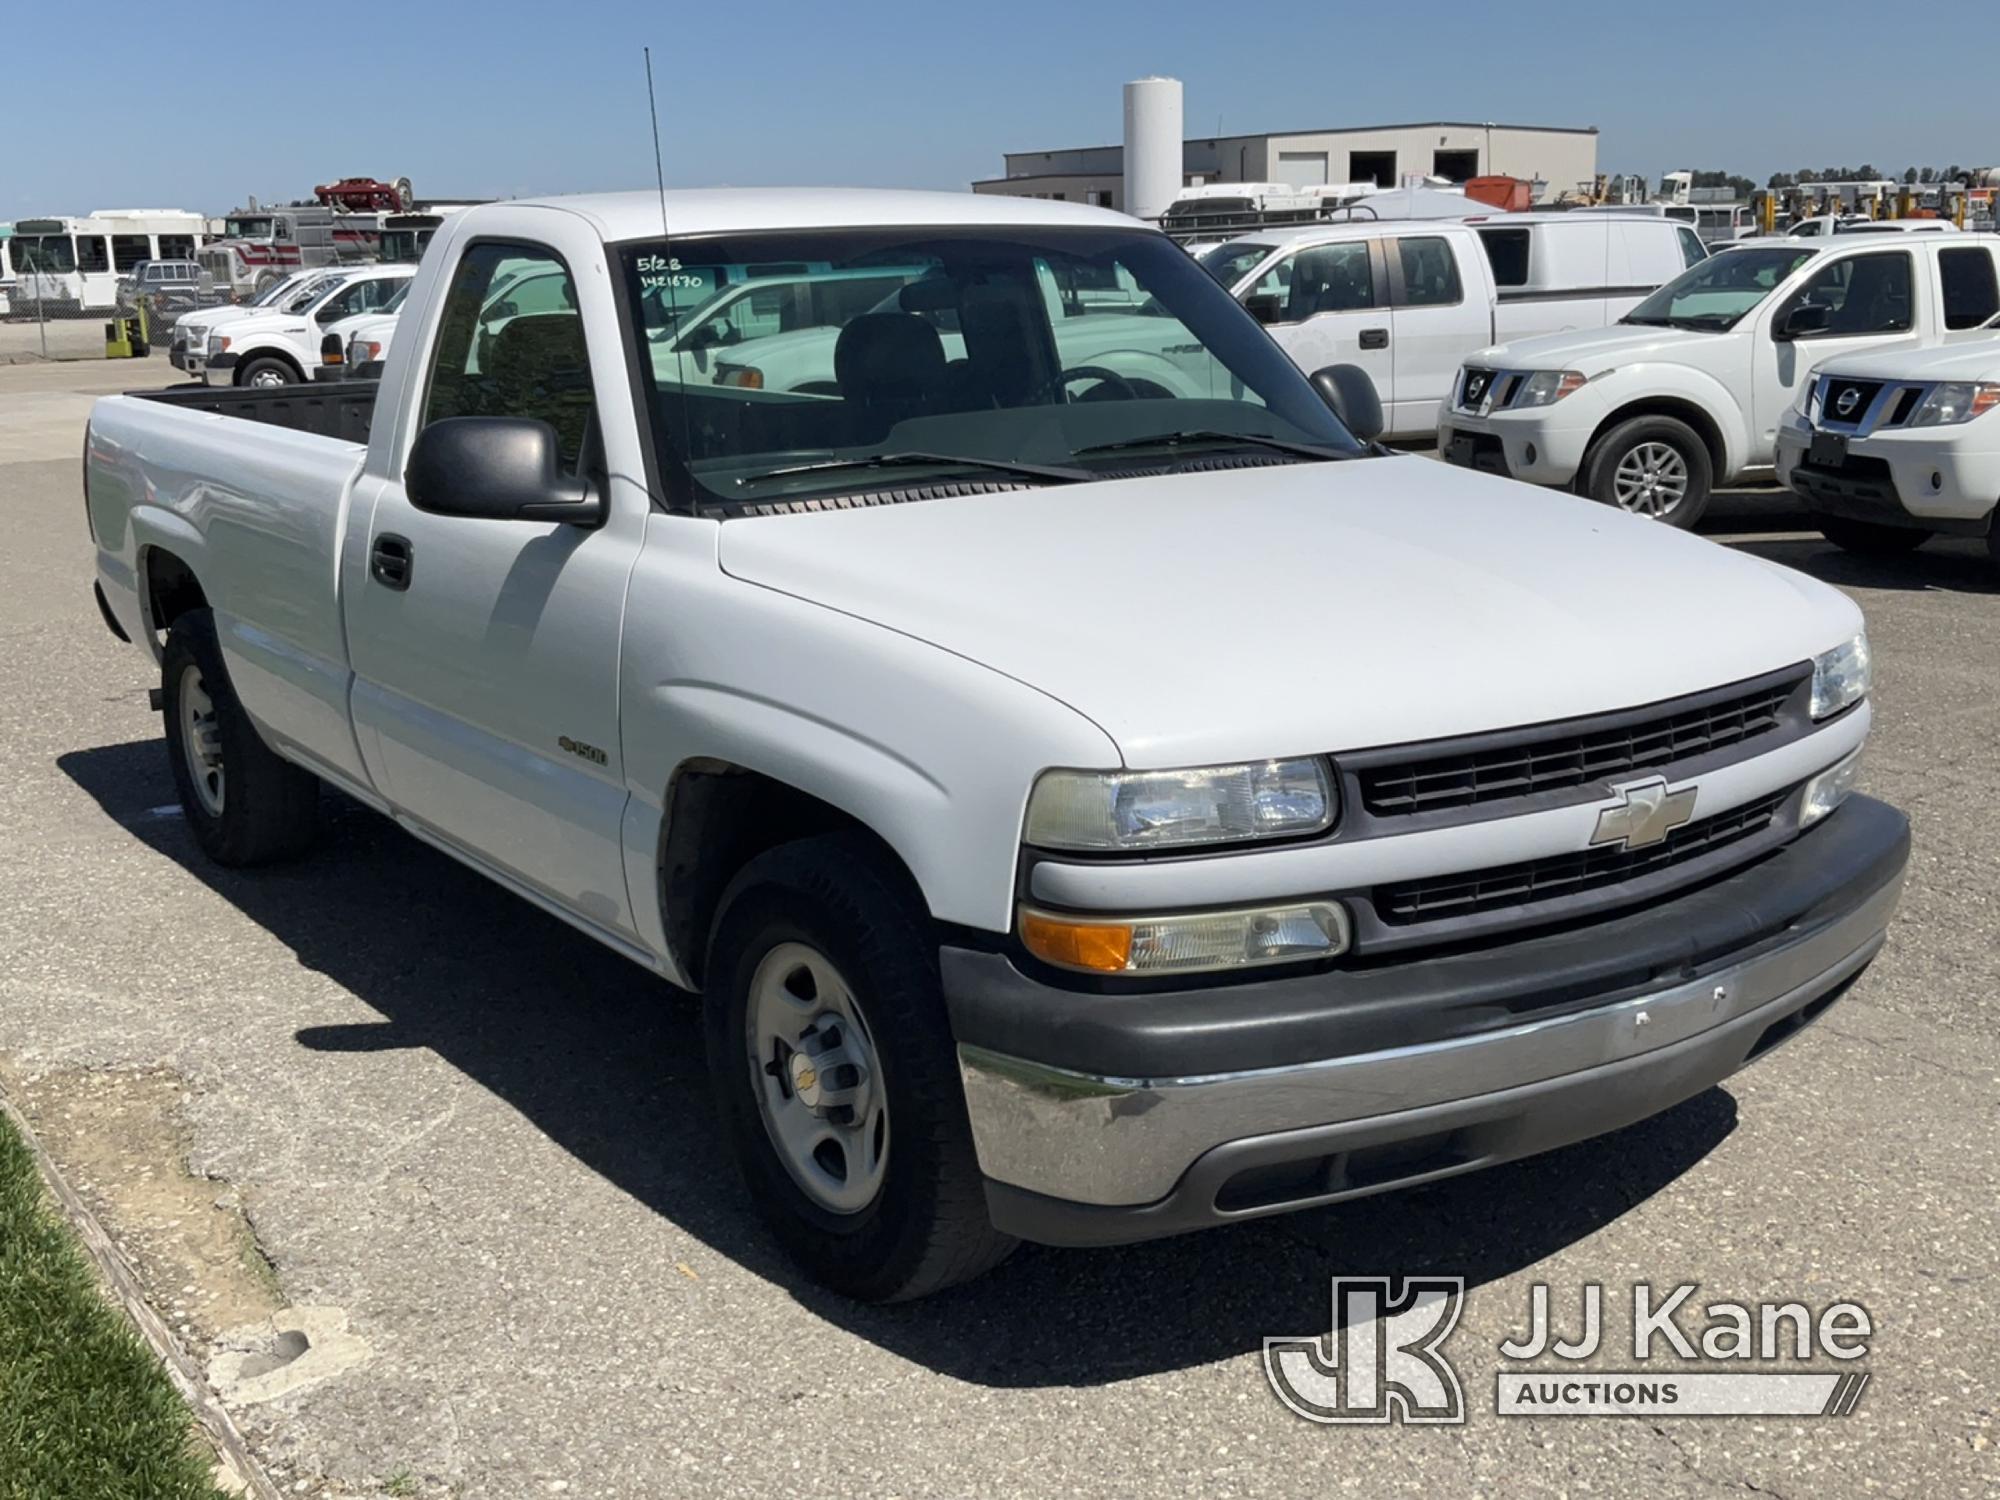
[201,741]
[1651,479]
[813,1069]
[267,378]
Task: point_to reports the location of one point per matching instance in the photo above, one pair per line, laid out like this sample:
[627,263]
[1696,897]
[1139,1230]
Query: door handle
[391,561]
[1374,338]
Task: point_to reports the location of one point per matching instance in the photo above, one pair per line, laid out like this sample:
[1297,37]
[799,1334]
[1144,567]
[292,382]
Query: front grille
[1477,382]
[1564,875]
[1845,400]
[1575,753]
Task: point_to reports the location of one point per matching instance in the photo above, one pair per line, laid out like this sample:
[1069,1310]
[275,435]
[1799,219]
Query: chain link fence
[65,291]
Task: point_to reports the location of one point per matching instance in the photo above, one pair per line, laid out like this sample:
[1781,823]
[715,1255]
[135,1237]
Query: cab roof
[689,211]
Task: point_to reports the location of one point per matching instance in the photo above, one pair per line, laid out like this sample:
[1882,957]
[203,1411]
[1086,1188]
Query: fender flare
[1651,384]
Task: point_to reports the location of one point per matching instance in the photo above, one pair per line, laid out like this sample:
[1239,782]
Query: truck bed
[335,409]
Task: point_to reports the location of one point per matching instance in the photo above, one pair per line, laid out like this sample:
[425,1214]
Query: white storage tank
[1152,146]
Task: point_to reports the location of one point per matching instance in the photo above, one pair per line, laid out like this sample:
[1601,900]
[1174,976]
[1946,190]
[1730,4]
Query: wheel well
[280,355]
[720,816]
[1664,406]
[171,589]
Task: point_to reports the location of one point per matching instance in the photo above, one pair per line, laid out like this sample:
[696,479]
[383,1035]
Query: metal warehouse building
[1560,158]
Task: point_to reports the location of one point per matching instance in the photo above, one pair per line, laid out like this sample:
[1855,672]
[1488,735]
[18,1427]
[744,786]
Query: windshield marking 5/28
[817,362]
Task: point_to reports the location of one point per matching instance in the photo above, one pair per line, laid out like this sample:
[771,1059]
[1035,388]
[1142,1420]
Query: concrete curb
[234,1454]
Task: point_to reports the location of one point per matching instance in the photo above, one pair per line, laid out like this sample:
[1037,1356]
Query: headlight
[1290,933]
[1953,402]
[1140,810]
[217,342]
[1547,387]
[1829,789]
[1840,677]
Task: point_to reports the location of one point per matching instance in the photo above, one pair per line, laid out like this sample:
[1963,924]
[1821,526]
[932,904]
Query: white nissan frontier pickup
[1086,810]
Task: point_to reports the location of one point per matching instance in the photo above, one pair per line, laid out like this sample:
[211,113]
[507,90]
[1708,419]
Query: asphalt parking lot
[375,1086]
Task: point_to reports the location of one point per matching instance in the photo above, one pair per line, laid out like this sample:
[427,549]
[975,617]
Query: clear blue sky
[191,105]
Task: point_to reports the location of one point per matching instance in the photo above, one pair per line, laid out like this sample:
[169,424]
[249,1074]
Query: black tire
[258,807]
[926,1228]
[1600,466]
[1869,538]
[246,375]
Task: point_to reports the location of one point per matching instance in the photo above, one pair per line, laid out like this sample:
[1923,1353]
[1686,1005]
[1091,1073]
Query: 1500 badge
[589,752]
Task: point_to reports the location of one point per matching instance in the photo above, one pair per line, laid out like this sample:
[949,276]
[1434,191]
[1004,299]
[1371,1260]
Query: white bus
[70,267]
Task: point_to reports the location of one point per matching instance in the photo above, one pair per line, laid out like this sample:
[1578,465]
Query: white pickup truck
[281,343]
[1892,449]
[1687,391]
[1408,301]
[1084,814]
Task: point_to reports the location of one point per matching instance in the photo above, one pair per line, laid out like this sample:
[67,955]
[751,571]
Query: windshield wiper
[1692,323]
[903,459]
[1214,435]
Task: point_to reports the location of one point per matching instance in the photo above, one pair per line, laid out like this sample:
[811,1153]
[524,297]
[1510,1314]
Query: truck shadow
[1773,524]
[608,1062]
[1955,565]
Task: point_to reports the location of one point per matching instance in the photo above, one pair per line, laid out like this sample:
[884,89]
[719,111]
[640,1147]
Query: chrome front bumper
[1113,1153]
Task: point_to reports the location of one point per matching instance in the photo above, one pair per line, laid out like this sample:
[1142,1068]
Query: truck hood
[1595,350]
[258,320]
[1200,618]
[1977,360]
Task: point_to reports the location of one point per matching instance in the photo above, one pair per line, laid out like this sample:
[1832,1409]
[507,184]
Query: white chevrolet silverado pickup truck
[1086,813]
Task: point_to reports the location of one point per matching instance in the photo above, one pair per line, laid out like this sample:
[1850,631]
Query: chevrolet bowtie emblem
[1645,813]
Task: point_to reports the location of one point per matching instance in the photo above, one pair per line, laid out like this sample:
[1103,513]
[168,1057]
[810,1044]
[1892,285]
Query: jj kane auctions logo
[1383,1359]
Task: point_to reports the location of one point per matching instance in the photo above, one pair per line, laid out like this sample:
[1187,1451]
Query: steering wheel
[1106,378]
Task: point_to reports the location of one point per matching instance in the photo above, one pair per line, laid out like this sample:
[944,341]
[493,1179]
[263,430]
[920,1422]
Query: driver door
[485,651]
[1873,298]
[1335,310]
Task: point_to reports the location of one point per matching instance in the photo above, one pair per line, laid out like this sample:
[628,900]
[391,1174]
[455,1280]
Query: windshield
[1717,292]
[395,302]
[304,295]
[275,291]
[247,228]
[1062,351]
[1231,262]
[52,253]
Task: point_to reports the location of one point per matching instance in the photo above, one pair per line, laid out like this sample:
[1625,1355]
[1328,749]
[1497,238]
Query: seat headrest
[888,356]
[541,340]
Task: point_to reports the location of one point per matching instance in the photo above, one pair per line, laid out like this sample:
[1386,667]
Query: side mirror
[1351,393]
[1805,319]
[1266,307]
[498,468]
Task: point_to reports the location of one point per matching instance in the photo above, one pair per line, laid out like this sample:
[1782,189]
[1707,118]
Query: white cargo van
[1407,300]
[1586,270]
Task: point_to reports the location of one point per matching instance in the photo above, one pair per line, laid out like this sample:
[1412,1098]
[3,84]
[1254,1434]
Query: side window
[1507,253]
[129,250]
[1430,272]
[1971,295]
[1693,251]
[1275,282]
[176,247]
[1867,294]
[1330,278]
[493,361]
[93,253]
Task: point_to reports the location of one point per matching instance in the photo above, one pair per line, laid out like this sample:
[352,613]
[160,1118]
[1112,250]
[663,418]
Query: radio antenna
[671,275]
[659,168]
